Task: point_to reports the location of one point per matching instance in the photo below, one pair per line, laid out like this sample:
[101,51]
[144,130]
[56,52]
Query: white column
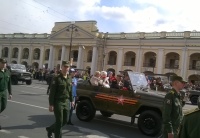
[50,57]
[137,60]
[19,55]
[30,55]
[80,57]
[183,63]
[41,57]
[140,61]
[1,47]
[119,60]
[9,53]
[94,60]
[63,54]
[159,60]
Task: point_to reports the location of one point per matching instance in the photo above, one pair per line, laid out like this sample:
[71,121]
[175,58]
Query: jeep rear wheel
[106,114]
[14,80]
[28,82]
[85,111]
[150,123]
[194,99]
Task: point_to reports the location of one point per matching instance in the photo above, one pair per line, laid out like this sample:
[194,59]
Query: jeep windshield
[18,67]
[138,80]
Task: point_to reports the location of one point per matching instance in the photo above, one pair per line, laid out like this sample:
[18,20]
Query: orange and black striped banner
[119,100]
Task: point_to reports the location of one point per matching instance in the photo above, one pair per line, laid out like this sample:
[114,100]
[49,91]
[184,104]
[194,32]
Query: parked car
[19,73]
[137,102]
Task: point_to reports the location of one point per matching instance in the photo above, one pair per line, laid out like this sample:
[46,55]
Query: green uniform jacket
[5,81]
[61,89]
[190,125]
[172,112]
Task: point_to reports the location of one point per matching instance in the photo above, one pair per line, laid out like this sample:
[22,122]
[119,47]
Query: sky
[113,16]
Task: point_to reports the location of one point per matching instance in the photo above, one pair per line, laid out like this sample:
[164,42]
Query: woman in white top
[95,78]
[104,79]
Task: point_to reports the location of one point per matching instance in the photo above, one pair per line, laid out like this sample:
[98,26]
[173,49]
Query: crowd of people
[109,80]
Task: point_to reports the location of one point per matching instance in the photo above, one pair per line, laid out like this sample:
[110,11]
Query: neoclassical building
[156,52]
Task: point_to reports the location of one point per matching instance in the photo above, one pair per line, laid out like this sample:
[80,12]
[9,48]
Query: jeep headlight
[21,74]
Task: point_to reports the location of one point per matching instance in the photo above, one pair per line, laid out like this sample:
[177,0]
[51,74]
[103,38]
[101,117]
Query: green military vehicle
[18,73]
[137,102]
[193,96]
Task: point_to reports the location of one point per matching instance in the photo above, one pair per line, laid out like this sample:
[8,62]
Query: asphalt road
[27,115]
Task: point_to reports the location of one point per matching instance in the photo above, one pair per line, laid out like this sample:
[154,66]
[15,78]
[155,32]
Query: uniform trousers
[61,112]
[3,100]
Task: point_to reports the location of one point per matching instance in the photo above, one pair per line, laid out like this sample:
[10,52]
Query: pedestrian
[191,123]
[59,100]
[172,108]
[74,95]
[50,78]
[5,85]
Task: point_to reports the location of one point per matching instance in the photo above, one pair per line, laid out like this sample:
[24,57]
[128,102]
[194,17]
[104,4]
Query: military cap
[65,63]
[178,78]
[3,60]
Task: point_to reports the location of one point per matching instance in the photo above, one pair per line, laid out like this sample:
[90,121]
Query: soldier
[172,109]
[5,85]
[191,124]
[59,100]
[50,78]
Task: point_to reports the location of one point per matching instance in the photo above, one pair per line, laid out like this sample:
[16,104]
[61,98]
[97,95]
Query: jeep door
[123,102]
[100,100]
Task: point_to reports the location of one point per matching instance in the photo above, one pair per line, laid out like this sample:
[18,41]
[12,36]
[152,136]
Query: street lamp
[71,28]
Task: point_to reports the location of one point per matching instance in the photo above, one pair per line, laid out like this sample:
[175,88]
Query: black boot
[49,133]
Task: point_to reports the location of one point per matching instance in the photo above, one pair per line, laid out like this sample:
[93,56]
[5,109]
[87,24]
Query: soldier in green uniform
[59,100]
[5,85]
[172,108]
[191,124]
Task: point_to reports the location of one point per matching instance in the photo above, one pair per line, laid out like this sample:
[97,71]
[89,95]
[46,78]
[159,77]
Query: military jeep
[137,102]
[18,73]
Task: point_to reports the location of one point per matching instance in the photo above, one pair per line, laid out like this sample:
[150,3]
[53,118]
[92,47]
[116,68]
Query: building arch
[36,54]
[35,65]
[47,51]
[5,52]
[129,58]
[112,70]
[46,65]
[25,53]
[112,58]
[74,55]
[24,63]
[59,54]
[15,52]
[194,79]
[149,59]
[14,62]
[194,61]
[172,60]
[148,73]
[89,56]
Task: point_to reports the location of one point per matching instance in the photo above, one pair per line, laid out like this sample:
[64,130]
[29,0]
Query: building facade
[157,52]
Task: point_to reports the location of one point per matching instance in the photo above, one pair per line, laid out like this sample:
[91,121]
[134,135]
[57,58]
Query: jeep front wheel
[85,111]
[150,123]
[194,99]
[28,82]
[106,114]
